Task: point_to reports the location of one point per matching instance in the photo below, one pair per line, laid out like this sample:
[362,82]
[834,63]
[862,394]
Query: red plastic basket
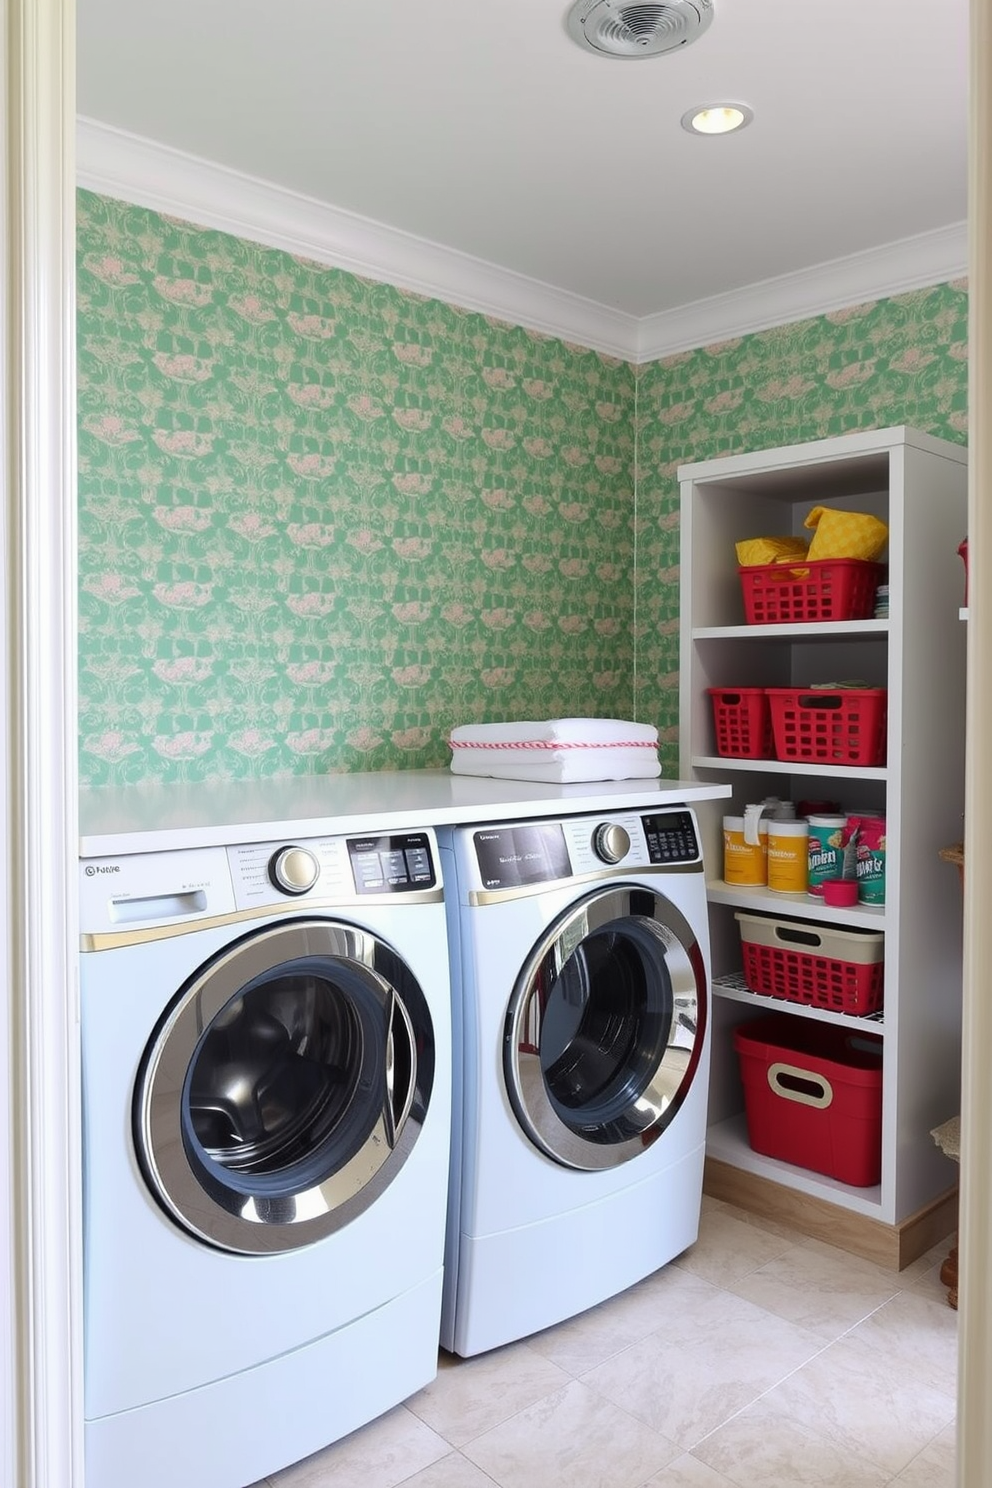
[827,589]
[843,970]
[813,1095]
[843,727]
[742,722]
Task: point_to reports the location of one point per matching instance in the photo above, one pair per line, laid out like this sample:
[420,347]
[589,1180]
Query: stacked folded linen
[557,750]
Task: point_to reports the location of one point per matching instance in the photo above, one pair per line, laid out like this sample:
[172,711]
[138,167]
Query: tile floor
[758,1359]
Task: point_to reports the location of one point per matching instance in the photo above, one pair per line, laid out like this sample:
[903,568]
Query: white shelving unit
[918,485]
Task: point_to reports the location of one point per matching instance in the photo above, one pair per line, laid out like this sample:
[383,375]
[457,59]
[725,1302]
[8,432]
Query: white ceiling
[485,129]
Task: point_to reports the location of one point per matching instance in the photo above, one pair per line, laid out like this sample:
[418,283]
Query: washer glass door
[285,1087]
[605,1028]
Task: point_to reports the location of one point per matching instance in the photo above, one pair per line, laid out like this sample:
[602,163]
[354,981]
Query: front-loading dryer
[580,963]
[266,1106]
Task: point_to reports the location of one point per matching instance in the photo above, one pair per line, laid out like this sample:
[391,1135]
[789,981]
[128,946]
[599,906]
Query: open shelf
[795,906]
[917,486]
[734,988]
[818,630]
[727,1141]
[789,767]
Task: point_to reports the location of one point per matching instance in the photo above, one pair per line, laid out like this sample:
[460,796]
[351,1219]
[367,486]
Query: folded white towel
[558,765]
[574,733]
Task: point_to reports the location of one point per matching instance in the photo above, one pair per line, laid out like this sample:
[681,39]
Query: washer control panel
[338,868]
[143,890]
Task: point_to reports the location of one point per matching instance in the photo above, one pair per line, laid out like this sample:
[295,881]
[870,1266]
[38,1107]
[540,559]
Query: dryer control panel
[520,854]
[671,837]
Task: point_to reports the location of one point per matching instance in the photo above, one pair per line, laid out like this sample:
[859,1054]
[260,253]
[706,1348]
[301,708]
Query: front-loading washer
[266,1112]
[580,964]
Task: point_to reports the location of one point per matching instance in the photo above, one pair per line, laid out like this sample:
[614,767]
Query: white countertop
[160,818]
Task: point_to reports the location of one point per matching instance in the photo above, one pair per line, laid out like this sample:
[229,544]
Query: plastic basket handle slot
[730,699]
[820,701]
[796,936]
[799,1085]
[785,575]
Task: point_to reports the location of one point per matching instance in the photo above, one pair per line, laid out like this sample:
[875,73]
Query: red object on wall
[963,550]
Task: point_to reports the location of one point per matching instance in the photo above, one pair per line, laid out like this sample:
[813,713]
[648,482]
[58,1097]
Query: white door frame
[974,1462]
[40,1211]
[40,1230]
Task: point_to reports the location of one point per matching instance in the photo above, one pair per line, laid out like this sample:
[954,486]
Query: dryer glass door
[285,1087]
[605,1028]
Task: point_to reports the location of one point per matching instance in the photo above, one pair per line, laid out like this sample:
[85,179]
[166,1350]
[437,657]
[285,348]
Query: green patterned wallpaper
[323,520]
[895,361]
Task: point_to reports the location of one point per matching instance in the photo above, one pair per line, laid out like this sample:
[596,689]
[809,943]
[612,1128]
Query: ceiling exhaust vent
[612,28]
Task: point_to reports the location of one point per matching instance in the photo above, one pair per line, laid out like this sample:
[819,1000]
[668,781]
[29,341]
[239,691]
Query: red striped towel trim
[553,744]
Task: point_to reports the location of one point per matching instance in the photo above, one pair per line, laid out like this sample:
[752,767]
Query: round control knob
[610,843]
[294,870]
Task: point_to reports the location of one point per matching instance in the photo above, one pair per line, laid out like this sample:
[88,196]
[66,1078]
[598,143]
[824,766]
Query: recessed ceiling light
[717,118]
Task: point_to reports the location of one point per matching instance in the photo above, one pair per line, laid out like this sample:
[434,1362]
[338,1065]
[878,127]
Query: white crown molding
[894,268]
[137,170]
[117,164]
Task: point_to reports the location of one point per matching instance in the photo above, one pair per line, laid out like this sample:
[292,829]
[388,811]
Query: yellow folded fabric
[844,534]
[755,551]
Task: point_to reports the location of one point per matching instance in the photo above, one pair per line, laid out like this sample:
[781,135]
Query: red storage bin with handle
[742,722]
[839,727]
[818,965]
[813,1095]
[826,589]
